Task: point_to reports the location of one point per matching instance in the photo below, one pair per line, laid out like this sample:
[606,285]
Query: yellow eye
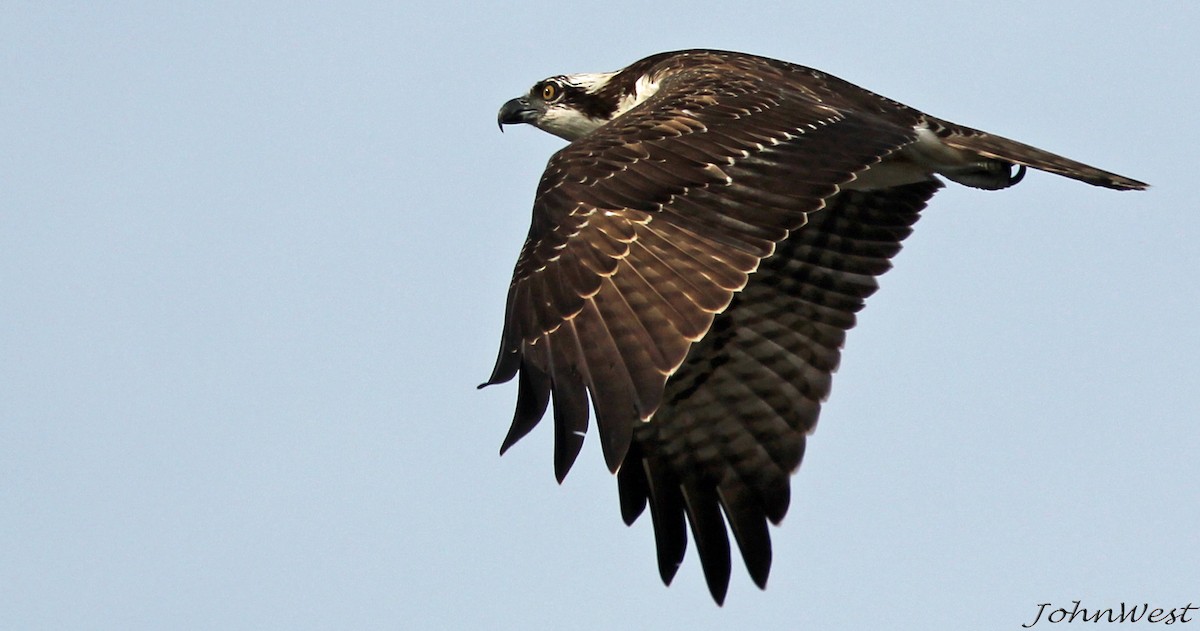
[549,92]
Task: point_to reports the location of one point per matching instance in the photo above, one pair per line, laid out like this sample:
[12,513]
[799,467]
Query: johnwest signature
[1123,613]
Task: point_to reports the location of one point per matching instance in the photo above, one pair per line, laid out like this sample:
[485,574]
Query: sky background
[253,262]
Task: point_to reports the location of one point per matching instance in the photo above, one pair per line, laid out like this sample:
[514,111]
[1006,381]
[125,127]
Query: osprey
[698,252]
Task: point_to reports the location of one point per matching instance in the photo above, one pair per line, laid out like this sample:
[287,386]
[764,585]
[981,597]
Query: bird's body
[697,253]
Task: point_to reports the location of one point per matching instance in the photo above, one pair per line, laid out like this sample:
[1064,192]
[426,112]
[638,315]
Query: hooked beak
[516,111]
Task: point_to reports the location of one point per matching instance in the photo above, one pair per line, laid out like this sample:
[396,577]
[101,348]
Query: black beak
[516,111]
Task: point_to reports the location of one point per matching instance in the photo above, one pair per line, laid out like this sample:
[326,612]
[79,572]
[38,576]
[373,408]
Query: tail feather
[1000,148]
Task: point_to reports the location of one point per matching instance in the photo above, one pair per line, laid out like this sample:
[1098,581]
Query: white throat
[567,123]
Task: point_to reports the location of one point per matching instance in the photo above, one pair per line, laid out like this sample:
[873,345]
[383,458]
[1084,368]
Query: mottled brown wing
[732,425]
[646,229]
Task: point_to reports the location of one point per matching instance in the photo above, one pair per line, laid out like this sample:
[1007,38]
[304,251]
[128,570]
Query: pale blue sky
[253,260]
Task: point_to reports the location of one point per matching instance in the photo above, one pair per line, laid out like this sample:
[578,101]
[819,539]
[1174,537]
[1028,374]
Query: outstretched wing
[643,232]
[733,423]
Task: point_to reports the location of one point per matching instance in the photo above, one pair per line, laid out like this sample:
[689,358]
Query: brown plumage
[696,256]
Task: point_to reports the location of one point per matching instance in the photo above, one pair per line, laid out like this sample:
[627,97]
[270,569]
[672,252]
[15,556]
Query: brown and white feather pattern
[691,270]
[735,415]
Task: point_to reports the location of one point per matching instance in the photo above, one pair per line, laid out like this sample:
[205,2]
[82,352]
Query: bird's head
[571,106]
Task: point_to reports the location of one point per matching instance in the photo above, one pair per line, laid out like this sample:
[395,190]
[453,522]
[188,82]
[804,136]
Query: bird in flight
[697,253]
